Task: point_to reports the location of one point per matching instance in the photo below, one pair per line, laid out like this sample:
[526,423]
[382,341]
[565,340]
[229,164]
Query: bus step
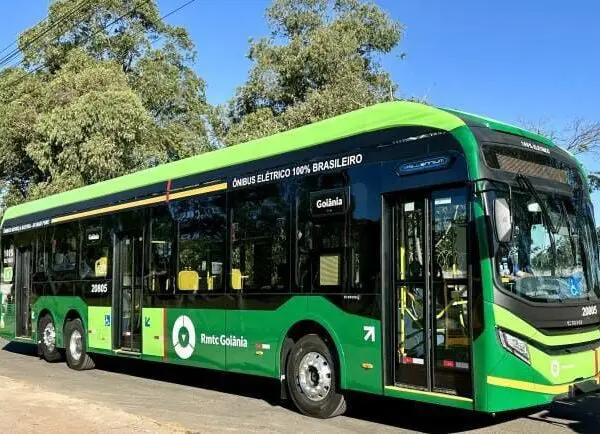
[130,353]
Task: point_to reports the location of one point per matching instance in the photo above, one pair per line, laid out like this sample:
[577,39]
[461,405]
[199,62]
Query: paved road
[131,396]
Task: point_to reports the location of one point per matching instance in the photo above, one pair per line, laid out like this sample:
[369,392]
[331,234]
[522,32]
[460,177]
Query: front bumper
[580,389]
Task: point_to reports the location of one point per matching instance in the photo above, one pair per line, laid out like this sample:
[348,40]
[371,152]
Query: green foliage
[93,100]
[106,89]
[321,60]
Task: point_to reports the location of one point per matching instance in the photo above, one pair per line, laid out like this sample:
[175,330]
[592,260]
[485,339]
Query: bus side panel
[194,337]
[59,307]
[357,340]
[359,345]
[485,353]
[7,318]
[7,290]
[262,324]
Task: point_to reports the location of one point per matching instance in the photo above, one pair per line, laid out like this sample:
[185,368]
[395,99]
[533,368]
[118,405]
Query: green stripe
[374,118]
[502,126]
[511,322]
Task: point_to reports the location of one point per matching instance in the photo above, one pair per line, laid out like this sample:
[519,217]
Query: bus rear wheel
[75,344]
[47,339]
[312,379]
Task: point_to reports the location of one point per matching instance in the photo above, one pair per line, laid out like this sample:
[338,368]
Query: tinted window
[321,237]
[202,224]
[8,276]
[338,232]
[96,247]
[42,255]
[259,239]
[365,231]
[162,234]
[63,251]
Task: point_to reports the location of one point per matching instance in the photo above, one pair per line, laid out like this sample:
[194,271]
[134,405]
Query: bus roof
[373,118]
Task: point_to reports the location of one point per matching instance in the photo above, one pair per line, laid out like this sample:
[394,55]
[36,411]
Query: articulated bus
[400,250]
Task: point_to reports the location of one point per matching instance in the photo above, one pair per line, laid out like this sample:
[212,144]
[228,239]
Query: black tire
[47,348]
[77,358]
[329,402]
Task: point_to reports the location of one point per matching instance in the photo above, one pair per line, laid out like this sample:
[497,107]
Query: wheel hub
[49,337]
[75,345]
[314,376]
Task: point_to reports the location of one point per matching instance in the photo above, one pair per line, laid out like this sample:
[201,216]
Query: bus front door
[128,294]
[430,298]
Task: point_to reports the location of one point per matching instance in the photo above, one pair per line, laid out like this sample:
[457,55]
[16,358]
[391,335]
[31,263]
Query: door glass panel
[24,292]
[131,266]
[450,292]
[411,366]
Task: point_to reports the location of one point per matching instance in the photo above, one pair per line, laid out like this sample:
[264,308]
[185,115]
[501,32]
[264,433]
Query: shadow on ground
[581,415]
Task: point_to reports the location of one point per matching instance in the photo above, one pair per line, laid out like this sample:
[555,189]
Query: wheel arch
[313,326]
[71,315]
[45,311]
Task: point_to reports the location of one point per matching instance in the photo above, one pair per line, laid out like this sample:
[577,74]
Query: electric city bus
[401,250]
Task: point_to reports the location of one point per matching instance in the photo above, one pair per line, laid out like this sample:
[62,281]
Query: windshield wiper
[545,215]
[531,189]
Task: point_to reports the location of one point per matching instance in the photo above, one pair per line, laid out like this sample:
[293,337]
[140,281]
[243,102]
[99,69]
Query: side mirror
[503,220]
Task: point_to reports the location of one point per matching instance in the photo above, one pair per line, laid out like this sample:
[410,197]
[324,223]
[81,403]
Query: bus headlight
[514,345]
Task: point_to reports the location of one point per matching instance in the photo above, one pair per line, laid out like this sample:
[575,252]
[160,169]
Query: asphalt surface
[152,397]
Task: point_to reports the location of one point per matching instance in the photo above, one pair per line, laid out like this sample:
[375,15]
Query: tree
[321,60]
[104,89]
[580,137]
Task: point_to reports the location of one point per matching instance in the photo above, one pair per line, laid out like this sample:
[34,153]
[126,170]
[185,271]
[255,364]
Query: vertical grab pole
[402,252]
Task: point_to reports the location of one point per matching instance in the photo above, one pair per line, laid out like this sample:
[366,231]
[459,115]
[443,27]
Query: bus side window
[202,232]
[7,277]
[259,239]
[321,233]
[63,249]
[159,279]
[338,231]
[96,247]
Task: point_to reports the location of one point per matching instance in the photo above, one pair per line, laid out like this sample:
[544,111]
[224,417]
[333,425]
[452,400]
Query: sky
[514,60]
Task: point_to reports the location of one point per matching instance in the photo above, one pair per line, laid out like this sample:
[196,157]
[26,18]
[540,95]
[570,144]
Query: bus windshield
[553,255]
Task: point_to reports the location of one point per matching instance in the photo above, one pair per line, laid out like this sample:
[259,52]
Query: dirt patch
[28,408]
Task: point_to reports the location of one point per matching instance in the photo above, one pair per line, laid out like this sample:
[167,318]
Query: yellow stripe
[197,191]
[138,203]
[109,209]
[424,392]
[530,387]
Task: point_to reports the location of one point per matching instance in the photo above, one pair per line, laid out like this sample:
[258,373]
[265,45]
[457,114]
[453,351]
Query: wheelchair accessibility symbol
[184,337]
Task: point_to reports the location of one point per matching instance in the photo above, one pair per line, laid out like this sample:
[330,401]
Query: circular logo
[555,368]
[184,337]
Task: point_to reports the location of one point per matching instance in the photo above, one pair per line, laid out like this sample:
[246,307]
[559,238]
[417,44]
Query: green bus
[400,250]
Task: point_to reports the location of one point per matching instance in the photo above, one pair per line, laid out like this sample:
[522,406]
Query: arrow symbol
[147,321]
[369,333]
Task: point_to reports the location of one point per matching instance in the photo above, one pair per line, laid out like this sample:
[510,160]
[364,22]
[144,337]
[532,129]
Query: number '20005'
[100,288]
[589,310]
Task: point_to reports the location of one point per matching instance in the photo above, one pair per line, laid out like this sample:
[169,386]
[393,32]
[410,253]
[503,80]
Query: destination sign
[329,202]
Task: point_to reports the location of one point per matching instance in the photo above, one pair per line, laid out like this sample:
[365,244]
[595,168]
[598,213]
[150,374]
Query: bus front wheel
[75,347]
[312,379]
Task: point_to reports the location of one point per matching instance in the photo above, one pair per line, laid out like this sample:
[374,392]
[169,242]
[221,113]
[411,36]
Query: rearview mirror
[503,220]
